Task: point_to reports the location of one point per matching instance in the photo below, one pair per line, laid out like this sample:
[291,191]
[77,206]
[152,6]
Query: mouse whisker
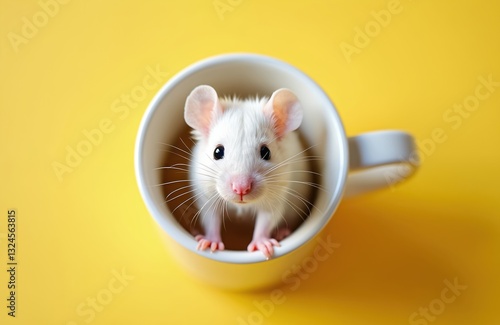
[186,213]
[211,200]
[298,210]
[182,203]
[207,174]
[223,208]
[198,213]
[311,184]
[275,175]
[214,202]
[208,168]
[186,151]
[297,195]
[172,182]
[297,157]
[184,154]
[179,195]
[179,166]
[294,207]
[188,148]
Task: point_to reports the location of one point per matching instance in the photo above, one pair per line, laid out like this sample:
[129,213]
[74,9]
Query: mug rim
[166,224]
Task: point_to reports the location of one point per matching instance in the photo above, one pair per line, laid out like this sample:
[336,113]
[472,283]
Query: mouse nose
[241,185]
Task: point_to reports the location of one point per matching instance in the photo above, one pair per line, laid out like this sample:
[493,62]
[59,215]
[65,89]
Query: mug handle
[379,159]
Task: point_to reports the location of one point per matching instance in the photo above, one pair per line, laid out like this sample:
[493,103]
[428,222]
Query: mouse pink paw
[204,243]
[282,233]
[265,245]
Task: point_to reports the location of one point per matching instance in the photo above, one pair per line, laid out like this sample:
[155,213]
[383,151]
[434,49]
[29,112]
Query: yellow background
[398,246]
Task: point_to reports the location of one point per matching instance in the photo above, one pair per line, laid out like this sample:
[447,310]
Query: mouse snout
[241,185]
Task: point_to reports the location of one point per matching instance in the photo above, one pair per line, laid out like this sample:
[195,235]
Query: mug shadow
[394,258]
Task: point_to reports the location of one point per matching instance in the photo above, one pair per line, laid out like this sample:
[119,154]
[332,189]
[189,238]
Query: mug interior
[244,75]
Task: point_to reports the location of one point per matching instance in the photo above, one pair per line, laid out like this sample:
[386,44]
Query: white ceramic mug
[350,165]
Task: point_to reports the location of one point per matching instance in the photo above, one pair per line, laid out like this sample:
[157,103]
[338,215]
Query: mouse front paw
[265,245]
[213,243]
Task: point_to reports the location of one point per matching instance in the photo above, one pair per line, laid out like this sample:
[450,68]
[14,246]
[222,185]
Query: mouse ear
[285,110]
[202,105]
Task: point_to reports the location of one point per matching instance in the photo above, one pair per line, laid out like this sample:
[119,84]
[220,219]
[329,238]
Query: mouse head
[242,142]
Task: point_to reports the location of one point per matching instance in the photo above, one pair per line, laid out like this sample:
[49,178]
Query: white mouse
[248,158]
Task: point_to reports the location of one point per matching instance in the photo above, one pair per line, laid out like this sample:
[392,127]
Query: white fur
[242,129]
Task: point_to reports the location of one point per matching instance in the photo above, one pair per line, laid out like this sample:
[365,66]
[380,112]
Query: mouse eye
[265,153]
[219,152]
